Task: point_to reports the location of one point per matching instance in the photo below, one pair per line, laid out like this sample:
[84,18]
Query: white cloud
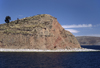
[77,26]
[72,30]
[94,35]
[96,25]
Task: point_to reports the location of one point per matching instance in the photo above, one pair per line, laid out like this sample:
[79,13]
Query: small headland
[40,32]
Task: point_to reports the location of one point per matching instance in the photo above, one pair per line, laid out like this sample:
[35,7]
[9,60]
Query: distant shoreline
[58,50]
[88,45]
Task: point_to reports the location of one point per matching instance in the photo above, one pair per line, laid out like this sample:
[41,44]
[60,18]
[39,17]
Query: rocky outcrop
[37,32]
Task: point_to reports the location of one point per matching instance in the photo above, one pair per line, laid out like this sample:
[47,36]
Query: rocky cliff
[36,32]
[88,40]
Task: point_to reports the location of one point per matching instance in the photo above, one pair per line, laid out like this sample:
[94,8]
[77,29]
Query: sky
[80,17]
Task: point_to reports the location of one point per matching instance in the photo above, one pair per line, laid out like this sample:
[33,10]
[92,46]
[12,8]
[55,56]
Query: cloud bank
[72,30]
[93,35]
[77,26]
[70,27]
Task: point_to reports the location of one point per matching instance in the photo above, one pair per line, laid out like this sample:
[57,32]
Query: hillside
[37,32]
[88,40]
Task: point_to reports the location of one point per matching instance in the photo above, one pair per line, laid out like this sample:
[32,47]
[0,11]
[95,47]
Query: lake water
[50,60]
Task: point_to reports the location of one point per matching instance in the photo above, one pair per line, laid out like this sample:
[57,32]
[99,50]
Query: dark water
[50,60]
[97,47]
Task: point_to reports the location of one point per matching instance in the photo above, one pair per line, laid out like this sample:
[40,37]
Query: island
[41,32]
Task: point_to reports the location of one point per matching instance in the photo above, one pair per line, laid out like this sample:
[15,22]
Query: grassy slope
[24,26]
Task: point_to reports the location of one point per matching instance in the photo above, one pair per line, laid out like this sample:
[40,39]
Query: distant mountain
[88,40]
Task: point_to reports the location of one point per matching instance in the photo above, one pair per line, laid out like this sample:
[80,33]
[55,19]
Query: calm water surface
[50,60]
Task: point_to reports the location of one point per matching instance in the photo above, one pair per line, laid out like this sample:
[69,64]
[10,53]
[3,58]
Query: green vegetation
[38,16]
[7,19]
[26,25]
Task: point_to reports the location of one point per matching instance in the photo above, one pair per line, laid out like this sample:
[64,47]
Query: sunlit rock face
[36,32]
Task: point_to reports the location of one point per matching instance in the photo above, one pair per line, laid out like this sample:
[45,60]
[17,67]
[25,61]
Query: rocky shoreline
[58,50]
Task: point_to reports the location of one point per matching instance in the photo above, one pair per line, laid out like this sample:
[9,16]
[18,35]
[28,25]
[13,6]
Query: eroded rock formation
[37,32]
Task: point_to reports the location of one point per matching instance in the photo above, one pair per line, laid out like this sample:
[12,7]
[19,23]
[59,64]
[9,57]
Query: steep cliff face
[37,32]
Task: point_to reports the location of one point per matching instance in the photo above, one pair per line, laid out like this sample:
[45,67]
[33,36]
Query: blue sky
[80,17]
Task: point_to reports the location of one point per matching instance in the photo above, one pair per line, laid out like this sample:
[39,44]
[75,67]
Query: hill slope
[36,32]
